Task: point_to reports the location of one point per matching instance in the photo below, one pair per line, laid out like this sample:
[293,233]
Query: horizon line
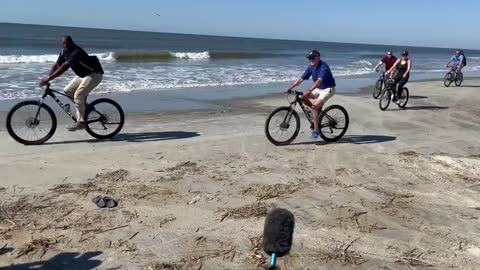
[226,36]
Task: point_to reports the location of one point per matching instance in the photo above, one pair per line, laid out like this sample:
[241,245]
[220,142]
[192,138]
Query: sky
[437,23]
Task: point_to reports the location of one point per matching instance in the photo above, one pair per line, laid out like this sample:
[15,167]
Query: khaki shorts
[322,95]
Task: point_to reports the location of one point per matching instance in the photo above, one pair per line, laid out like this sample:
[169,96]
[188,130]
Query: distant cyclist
[458,61]
[389,60]
[323,87]
[89,74]
[402,67]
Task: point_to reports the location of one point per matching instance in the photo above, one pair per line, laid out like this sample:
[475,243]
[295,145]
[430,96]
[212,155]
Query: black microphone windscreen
[278,232]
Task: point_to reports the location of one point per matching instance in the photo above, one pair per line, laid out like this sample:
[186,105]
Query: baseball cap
[313,54]
[405,53]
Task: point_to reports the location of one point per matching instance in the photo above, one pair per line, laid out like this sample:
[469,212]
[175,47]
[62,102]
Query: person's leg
[72,87]
[323,96]
[86,86]
[460,67]
[398,78]
[401,84]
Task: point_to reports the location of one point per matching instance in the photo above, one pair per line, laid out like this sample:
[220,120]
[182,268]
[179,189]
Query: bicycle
[39,121]
[388,93]
[377,89]
[329,121]
[453,76]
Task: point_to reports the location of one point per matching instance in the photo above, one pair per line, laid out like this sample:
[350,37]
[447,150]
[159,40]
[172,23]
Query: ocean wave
[45,58]
[363,62]
[169,56]
[140,56]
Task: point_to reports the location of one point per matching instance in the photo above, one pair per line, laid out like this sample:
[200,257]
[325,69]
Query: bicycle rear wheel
[31,123]
[105,118]
[377,89]
[448,79]
[459,79]
[334,123]
[403,98]
[385,99]
[280,128]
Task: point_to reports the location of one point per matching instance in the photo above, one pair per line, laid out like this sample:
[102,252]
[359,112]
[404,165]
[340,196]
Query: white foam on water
[363,62]
[45,58]
[191,55]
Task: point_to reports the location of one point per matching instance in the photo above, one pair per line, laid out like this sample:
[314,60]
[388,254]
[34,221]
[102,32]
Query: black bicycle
[377,89]
[388,94]
[33,122]
[334,122]
[453,76]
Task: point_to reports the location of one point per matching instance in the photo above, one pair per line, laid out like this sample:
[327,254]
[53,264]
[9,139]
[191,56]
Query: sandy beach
[399,191]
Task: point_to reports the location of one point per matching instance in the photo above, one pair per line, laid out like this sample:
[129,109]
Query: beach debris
[166,220]
[265,192]
[37,246]
[343,253]
[254,210]
[194,200]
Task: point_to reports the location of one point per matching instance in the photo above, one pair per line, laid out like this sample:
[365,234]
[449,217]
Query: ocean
[147,61]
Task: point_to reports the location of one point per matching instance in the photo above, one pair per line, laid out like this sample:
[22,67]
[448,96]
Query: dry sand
[400,191]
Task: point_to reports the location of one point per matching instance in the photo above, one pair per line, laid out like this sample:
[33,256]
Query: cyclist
[458,61]
[402,66]
[89,73]
[388,60]
[322,89]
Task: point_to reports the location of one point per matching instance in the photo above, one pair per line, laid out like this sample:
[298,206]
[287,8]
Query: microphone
[278,234]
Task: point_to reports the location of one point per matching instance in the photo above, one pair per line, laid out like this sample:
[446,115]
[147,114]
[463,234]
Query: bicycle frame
[50,92]
[296,101]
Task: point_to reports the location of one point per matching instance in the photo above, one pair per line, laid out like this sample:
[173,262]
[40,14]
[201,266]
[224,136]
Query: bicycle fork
[288,117]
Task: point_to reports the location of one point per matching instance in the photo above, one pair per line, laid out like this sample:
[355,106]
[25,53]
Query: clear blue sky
[440,23]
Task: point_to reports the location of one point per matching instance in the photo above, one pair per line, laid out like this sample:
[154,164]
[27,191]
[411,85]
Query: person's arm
[378,65]
[60,67]
[58,72]
[461,61]
[394,66]
[449,61]
[409,68]
[316,85]
[54,68]
[295,84]
[306,75]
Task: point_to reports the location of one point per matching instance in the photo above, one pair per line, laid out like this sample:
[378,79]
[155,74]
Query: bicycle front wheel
[459,79]
[280,128]
[31,123]
[377,89]
[448,79]
[334,123]
[403,98]
[385,99]
[105,118]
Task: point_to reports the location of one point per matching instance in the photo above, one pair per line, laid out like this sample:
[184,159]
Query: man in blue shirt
[322,89]
[458,61]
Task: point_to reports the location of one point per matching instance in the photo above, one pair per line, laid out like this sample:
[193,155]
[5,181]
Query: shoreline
[199,99]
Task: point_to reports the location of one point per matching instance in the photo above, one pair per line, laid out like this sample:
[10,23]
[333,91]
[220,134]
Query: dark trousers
[401,82]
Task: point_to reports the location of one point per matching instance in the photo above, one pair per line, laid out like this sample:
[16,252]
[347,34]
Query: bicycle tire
[459,79]
[387,97]
[42,140]
[91,108]
[447,81]
[297,128]
[405,93]
[347,122]
[377,89]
